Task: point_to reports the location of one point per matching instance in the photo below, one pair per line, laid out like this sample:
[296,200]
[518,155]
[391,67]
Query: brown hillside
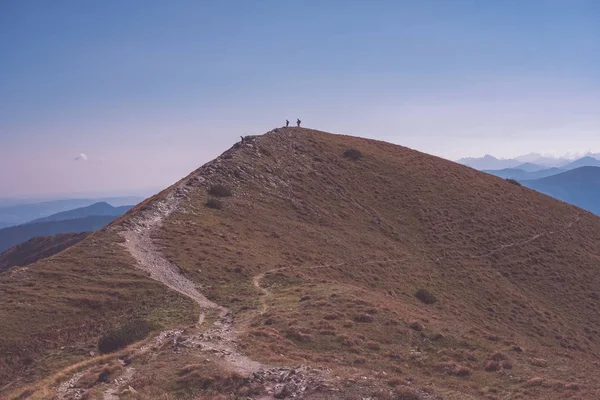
[38,248]
[316,259]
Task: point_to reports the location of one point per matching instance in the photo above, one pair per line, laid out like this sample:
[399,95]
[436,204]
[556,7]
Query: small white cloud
[81,157]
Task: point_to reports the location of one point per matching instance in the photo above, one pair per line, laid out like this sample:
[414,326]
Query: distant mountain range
[526,162]
[96,209]
[489,162]
[519,174]
[16,214]
[576,182]
[529,171]
[579,186]
[38,248]
[84,219]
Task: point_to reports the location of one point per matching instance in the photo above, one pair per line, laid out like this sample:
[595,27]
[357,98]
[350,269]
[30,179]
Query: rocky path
[220,337]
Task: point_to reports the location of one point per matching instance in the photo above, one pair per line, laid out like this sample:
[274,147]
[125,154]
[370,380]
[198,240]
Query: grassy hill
[15,235]
[17,212]
[96,209]
[384,272]
[38,248]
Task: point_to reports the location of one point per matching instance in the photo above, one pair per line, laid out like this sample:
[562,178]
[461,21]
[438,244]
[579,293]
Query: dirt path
[112,393]
[67,389]
[220,338]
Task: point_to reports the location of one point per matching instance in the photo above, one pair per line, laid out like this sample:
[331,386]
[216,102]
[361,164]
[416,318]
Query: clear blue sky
[149,90]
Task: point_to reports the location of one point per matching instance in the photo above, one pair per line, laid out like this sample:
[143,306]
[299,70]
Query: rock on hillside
[298,256]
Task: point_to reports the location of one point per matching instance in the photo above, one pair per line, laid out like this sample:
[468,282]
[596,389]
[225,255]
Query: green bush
[219,191]
[128,333]
[353,154]
[425,296]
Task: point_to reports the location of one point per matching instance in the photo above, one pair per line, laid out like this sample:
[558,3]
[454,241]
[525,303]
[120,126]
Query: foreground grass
[54,311]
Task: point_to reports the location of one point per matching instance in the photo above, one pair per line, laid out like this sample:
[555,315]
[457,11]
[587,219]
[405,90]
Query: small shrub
[497,356]
[416,325]
[533,382]
[452,368]
[363,318]
[492,366]
[394,355]
[104,376]
[425,296]
[125,335]
[374,346]
[539,362]
[353,154]
[359,361]
[214,203]
[107,373]
[297,335]
[219,191]
[514,182]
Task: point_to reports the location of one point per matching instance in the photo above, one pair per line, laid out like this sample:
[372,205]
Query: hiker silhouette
[287,123]
[298,122]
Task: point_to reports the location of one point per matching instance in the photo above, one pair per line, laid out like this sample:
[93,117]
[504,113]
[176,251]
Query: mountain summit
[302,264]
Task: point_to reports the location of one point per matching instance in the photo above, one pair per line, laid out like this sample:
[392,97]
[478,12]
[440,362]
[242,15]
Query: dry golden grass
[344,245]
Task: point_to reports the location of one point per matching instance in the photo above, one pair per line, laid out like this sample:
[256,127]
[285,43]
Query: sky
[121,97]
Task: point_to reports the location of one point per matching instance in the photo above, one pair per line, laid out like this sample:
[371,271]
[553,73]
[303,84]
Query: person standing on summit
[287,123]
[298,122]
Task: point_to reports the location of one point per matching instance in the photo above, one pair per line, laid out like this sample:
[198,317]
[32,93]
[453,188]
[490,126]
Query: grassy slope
[348,244]
[510,267]
[15,235]
[38,248]
[52,312]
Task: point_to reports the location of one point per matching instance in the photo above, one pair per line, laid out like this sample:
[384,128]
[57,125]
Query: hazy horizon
[123,96]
